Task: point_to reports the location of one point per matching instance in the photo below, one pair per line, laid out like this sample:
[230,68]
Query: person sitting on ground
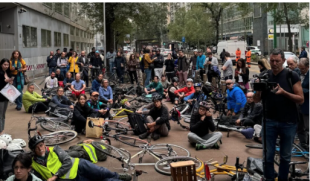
[100,107]
[60,78]
[22,168]
[164,82]
[200,124]
[32,99]
[236,99]
[77,86]
[188,90]
[154,87]
[51,81]
[157,119]
[53,163]
[105,92]
[195,98]
[61,100]
[172,88]
[67,81]
[97,83]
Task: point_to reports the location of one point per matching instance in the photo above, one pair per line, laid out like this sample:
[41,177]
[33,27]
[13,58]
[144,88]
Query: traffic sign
[183,39]
[270,37]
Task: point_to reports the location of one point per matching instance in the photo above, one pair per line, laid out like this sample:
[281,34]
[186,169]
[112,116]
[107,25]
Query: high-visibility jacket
[91,151]
[238,55]
[53,165]
[248,56]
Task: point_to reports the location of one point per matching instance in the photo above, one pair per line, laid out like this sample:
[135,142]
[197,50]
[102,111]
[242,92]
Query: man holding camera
[281,113]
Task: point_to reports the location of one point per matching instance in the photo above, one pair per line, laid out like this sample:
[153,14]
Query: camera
[263,83]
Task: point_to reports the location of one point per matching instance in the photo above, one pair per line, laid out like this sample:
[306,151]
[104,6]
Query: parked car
[165,52]
[255,50]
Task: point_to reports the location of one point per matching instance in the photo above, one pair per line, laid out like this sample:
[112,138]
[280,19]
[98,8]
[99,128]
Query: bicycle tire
[131,141]
[52,126]
[298,151]
[165,147]
[163,166]
[111,150]
[119,126]
[255,146]
[47,137]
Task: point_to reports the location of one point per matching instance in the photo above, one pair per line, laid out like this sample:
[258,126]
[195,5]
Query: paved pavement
[233,146]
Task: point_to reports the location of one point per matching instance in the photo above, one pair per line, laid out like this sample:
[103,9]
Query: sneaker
[216,146]
[124,176]
[18,108]
[200,146]
[144,135]
[155,136]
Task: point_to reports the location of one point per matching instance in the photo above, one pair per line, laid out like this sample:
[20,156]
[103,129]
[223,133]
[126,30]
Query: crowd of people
[287,105]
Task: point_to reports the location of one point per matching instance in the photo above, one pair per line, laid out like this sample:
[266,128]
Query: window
[66,40]
[46,38]
[29,36]
[66,9]
[58,7]
[48,5]
[77,32]
[57,39]
[72,28]
[82,33]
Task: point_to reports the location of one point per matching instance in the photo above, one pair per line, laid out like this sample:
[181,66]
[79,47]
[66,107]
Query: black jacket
[201,128]
[52,62]
[60,77]
[162,113]
[3,83]
[96,61]
[118,61]
[193,60]
[185,64]
[91,54]
[222,55]
[159,62]
[81,113]
[169,65]
[245,77]
[80,60]
[256,113]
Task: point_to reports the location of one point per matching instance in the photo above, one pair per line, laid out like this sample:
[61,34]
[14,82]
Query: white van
[231,47]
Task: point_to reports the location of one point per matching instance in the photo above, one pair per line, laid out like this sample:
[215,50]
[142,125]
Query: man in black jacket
[157,120]
[51,62]
[95,62]
[158,64]
[92,53]
[83,64]
[201,123]
[222,56]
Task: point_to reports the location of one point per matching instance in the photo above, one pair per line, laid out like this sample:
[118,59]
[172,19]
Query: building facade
[35,29]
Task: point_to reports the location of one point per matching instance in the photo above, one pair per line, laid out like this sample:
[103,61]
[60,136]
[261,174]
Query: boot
[144,135]
[155,135]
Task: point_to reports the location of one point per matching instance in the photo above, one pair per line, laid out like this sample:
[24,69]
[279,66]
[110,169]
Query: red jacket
[186,90]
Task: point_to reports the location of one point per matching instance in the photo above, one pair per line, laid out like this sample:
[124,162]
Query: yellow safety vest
[91,152]
[53,165]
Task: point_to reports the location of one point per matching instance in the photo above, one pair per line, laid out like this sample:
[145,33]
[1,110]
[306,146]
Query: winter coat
[255,115]
[118,61]
[235,99]
[159,62]
[200,61]
[185,64]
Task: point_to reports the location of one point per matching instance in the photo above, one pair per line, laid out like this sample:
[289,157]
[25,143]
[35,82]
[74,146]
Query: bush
[254,58]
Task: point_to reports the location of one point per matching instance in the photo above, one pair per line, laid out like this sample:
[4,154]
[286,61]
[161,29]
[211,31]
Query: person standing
[132,67]
[58,53]
[193,61]
[238,54]
[222,56]
[158,64]
[242,74]
[18,68]
[281,114]
[292,64]
[119,63]
[5,77]
[303,53]
[83,62]
[147,61]
[227,67]
[183,65]
[140,68]
[92,53]
[248,57]
[111,57]
[199,63]
[211,65]
[62,63]
[74,67]
[169,70]
[51,62]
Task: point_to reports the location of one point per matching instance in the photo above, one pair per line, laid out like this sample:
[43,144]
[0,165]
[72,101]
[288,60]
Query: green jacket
[29,99]
[157,86]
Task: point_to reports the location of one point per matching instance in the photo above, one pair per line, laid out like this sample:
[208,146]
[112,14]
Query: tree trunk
[109,30]
[290,43]
[217,32]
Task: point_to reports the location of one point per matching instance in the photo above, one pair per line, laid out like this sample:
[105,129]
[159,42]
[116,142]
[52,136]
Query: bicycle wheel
[163,166]
[297,151]
[164,150]
[131,141]
[59,137]
[52,126]
[255,146]
[119,126]
[110,150]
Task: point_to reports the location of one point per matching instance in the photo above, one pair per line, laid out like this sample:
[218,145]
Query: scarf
[19,79]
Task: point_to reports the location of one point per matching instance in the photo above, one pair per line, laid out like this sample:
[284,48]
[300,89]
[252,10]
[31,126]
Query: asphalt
[232,146]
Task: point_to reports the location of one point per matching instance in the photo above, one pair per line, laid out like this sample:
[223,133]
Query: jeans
[287,132]
[19,99]
[148,76]
[63,71]
[88,171]
[133,74]
[3,107]
[51,69]
[111,65]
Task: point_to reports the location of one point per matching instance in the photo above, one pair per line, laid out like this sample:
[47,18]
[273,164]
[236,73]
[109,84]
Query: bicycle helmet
[157,97]
[204,104]
[2,144]
[34,141]
[19,142]
[208,84]
[123,101]
[197,85]
[175,79]
[6,138]
[14,147]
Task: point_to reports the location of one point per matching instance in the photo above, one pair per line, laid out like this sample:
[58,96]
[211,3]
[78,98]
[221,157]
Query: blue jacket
[199,97]
[235,99]
[105,94]
[95,85]
[59,103]
[303,54]
[305,89]
[200,61]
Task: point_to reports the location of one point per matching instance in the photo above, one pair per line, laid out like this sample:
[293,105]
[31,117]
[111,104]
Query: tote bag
[10,92]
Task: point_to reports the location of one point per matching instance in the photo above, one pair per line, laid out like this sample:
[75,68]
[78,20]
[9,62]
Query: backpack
[137,123]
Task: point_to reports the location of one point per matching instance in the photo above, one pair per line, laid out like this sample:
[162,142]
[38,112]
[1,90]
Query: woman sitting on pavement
[105,92]
[61,100]
[32,99]
[22,168]
[172,88]
[200,124]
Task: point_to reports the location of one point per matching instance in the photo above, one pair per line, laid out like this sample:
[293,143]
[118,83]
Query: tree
[94,11]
